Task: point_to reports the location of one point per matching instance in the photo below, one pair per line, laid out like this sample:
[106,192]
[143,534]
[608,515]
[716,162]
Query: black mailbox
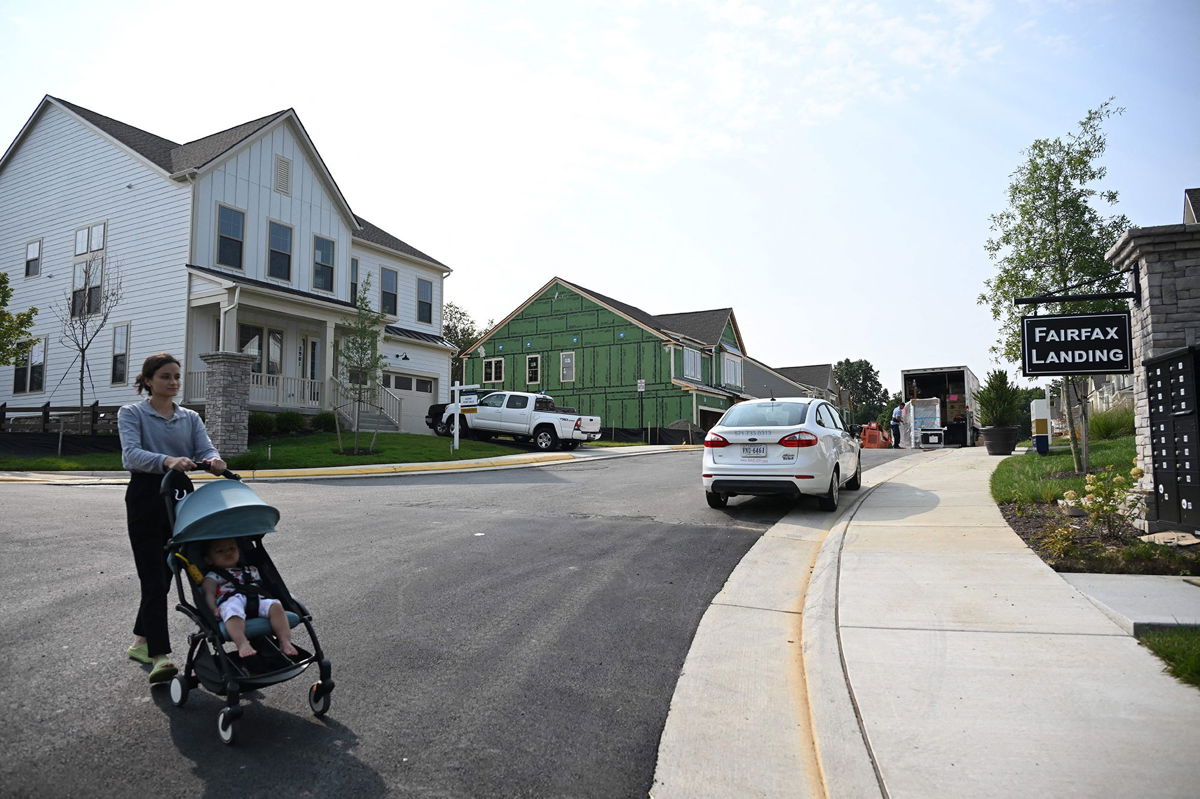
[1171,383]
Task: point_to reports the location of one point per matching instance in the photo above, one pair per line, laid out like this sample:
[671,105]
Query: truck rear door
[515,416]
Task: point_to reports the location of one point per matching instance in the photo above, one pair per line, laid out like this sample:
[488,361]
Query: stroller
[230,509]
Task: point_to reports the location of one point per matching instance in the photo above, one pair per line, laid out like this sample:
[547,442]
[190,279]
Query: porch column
[227,400]
[327,366]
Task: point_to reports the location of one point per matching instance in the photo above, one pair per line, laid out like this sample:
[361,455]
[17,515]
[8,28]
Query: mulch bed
[1032,521]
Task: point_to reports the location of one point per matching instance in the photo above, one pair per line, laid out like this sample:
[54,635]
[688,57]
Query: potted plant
[998,403]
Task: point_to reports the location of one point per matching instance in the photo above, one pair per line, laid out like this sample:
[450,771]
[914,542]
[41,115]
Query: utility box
[933,438]
[1039,412]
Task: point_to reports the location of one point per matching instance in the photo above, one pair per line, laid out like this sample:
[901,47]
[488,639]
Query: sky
[826,169]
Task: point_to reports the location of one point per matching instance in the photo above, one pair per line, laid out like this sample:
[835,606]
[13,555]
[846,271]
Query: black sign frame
[1116,332]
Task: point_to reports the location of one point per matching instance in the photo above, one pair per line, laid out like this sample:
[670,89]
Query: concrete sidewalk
[939,657]
[969,667]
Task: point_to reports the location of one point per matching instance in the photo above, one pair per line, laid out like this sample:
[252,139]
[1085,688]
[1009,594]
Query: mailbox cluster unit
[1174,426]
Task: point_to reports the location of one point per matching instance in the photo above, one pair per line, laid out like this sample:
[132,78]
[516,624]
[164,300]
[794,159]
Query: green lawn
[297,452]
[1027,478]
[1179,647]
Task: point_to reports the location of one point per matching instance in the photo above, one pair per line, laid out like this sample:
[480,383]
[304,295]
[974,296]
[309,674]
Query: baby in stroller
[235,592]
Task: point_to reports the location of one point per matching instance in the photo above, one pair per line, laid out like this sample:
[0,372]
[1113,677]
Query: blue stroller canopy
[222,509]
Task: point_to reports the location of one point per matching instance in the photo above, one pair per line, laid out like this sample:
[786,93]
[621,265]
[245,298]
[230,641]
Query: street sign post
[457,398]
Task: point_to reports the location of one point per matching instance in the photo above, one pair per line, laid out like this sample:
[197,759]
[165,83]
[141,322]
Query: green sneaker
[163,670]
[140,653]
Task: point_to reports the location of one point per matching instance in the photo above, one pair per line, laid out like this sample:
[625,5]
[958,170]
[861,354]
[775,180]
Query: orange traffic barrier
[875,437]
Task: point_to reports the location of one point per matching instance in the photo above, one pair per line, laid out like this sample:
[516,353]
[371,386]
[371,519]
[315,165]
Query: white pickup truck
[525,417]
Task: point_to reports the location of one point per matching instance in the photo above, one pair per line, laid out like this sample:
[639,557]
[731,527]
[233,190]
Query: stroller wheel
[179,690]
[318,700]
[225,726]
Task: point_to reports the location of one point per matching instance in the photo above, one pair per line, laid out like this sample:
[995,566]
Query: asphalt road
[510,633]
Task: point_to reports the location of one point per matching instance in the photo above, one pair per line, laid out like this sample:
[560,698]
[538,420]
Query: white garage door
[416,395]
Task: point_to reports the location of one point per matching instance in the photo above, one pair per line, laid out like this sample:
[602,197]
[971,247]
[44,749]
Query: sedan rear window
[775,414]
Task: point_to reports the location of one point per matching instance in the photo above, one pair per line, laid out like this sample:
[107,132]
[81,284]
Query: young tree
[861,380]
[14,327]
[359,359]
[95,291]
[460,330]
[1050,237]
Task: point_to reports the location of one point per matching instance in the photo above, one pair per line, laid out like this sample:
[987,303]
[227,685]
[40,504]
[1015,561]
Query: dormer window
[691,363]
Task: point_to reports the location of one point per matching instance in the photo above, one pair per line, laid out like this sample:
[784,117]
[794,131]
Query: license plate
[754,450]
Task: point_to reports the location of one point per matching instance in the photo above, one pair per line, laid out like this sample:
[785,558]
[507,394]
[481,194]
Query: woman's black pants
[148,533]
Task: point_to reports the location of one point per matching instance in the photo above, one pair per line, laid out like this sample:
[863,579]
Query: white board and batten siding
[245,181]
[65,175]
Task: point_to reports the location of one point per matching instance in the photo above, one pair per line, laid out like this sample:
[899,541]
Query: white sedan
[790,446]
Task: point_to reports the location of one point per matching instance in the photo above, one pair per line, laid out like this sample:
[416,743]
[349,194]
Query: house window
[86,287]
[493,370]
[29,372]
[283,175]
[89,239]
[354,280]
[424,300]
[231,236]
[731,368]
[533,368]
[33,258]
[566,367]
[322,264]
[388,281]
[691,363]
[279,260]
[120,354]
[268,359]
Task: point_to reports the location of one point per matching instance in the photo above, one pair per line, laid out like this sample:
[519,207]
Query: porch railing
[276,390]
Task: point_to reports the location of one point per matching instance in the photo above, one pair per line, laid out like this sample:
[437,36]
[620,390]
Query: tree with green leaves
[14,327]
[459,328]
[359,359]
[1051,240]
[861,380]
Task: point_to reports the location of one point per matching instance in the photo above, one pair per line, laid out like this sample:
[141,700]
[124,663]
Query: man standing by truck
[897,417]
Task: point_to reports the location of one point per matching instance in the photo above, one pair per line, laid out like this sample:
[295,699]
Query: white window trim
[90,242]
[418,301]
[91,269]
[699,374]
[533,359]
[493,362]
[38,271]
[728,360]
[332,266]
[354,281]
[396,313]
[562,378]
[291,255]
[128,330]
[29,348]
[217,242]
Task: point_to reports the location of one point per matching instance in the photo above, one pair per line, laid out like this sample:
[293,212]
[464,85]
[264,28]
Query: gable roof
[703,326]
[381,238]
[174,159]
[817,374]
[758,377]
[1191,206]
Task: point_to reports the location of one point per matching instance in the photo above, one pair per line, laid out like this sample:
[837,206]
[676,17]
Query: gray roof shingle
[377,235]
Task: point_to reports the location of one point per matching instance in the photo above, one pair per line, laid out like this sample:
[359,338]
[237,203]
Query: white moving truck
[955,388]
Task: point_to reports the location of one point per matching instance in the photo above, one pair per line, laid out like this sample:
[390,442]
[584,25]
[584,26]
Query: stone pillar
[227,400]
[1168,318]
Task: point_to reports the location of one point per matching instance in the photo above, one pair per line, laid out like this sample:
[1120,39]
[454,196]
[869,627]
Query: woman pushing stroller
[234,592]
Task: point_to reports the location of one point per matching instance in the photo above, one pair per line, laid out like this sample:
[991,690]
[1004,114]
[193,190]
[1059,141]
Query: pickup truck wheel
[442,428]
[569,445]
[545,439]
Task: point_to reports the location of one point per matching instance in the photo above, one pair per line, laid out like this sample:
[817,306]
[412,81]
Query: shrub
[1112,423]
[261,424]
[998,401]
[324,422]
[289,422]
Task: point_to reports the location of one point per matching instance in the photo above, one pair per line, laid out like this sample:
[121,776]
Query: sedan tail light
[715,440]
[801,439]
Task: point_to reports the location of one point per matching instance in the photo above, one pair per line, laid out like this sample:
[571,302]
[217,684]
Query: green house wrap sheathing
[611,353]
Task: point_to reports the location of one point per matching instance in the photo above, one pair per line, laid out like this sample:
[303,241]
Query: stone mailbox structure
[1166,321]
[227,401]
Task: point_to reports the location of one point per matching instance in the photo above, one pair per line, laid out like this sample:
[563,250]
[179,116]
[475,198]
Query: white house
[238,241]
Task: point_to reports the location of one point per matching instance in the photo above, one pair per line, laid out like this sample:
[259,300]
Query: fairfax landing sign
[1076,344]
